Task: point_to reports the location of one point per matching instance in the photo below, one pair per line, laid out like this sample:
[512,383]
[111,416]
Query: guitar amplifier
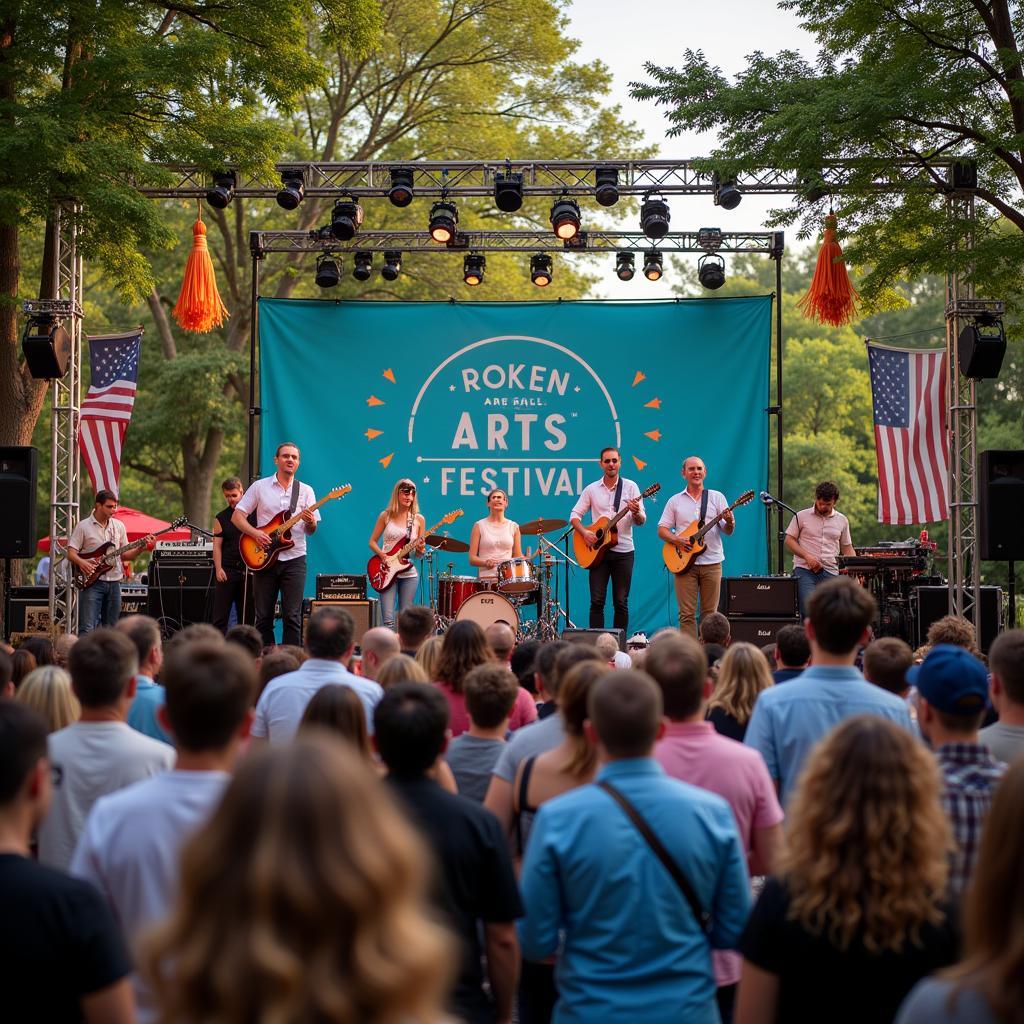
[341,586]
[180,593]
[30,612]
[759,595]
[365,614]
[134,599]
[758,630]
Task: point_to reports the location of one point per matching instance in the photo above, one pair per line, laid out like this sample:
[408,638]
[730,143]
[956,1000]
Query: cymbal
[537,526]
[439,540]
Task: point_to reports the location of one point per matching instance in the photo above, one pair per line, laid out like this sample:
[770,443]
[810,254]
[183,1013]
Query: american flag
[107,408]
[908,390]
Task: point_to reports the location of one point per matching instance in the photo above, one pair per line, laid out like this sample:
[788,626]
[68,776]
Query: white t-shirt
[267,497]
[90,760]
[682,509]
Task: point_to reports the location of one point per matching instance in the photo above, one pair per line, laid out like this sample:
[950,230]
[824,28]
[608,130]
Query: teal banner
[465,397]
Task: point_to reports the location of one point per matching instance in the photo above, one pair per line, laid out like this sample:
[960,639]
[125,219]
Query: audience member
[743,675]
[415,624]
[792,652]
[377,645]
[608,647]
[338,709]
[300,654]
[277,663]
[501,639]
[144,632]
[952,690]
[952,629]
[789,720]
[476,887]
[41,648]
[23,661]
[248,638]
[597,890]
[302,900]
[400,668]
[6,671]
[193,631]
[715,629]
[329,643]
[48,691]
[886,663]
[62,648]
[522,664]
[543,670]
[1005,738]
[63,956]
[768,650]
[429,655]
[857,913]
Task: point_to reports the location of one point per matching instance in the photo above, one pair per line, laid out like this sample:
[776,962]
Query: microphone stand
[779,505]
[565,537]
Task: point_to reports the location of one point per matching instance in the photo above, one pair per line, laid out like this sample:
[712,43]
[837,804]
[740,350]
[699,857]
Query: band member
[399,523]
[495,539]
[266,497]
[100,604]
[815,536]
[704,579]
[230,570]
[605,497]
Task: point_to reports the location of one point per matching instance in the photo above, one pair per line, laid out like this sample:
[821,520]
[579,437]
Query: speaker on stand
[19,472]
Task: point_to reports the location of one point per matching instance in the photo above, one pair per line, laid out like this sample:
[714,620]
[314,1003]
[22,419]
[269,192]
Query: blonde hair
[400,668]
[429,655]
[867,839]
[742,674]
[48,691]
[303,898]
[394,509]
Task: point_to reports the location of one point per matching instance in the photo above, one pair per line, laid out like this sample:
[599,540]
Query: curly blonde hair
[302,899]
[867,840]
[742,674]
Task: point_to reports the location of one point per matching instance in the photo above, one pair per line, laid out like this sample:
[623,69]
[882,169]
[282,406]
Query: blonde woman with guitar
[399,524]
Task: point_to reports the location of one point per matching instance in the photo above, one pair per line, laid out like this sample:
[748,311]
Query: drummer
[495,539]
[399,523]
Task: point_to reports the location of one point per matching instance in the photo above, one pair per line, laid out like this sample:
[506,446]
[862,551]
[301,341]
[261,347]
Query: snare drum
[487,607]
[452,591]
[516,576]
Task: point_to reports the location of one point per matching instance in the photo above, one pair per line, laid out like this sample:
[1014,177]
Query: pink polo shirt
[821,536]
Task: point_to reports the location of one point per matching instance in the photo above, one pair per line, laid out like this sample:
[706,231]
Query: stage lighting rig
[473,266]
[293,188]
[653,265]
[392,265]
[444,216]
[328,273]
[624,266]
[606,190]
[565,218]
[508,191]
[711,270]
[222,191]
[727,195]
[401,192]
[346,219]
[362,266]
[710,239]
[541,269]
[654,216]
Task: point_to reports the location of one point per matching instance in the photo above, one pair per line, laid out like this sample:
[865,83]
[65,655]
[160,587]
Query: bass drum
[452,591]
[488,607]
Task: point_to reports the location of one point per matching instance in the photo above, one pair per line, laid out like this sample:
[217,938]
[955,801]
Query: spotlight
[727,195]
[293,188]
[710,239]
[222,191]
[654,216]
[711,270]
[508,191]
[540,269]
[473,265]
[346,218]
[565,218]
[653,265]
[624,266]
[401,192]
[392,266]
[328,273]
[363,266]
[444,215]
[607,190]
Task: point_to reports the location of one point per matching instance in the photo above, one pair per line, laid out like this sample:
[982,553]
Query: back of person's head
[400,668]
[886,661]
[6,670]
[680,668]
[625,711]
[379,642]
[954,685]
[280,663]
[307,889]
[338,708]
[866,840]
[743,674]
[23,661]
[41,648]
[574,704]
[410,725]
[428,655]
[247,637]
[22,744]
[840,611]
[952,629]
[199,631]
[415,624]
[329,633]
[491,692]
[209,694]
[545,664]
[48,691]
[715,629]
[463,648]
[572,654]
[62,648]
[768,650]
[300,654]
[143,631]
[792,647]
[102,664]
[501,639]
[1006,662]
[522,663]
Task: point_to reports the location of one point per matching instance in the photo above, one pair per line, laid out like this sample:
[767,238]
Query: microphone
[767,498]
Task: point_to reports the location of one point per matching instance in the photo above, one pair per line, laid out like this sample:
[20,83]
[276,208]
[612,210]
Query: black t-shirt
[727,725]
[230,557]
[474,881]
[820,982]
[58,942]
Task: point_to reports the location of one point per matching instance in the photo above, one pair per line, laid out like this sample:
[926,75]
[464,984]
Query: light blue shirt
[789,720]
[149,698]
[632,949]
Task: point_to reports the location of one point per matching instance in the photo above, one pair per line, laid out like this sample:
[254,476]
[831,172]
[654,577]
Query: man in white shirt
[704,578]
[267,497]
[100,753]
[599,499]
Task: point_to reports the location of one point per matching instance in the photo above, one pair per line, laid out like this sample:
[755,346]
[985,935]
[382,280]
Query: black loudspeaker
[933,602]
[365,614]
[758,595]
[47,348]
[19,468]
[980,350]
[589,636]
[1001,506]
[758,630]
[180,594]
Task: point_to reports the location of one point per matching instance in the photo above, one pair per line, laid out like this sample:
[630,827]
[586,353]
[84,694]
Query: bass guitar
[382,571]
[104,559]
[677,558]
[279,529]
[589,555]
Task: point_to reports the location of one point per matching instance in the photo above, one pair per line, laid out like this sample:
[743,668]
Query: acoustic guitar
[677,558]
[258,558]
[382,571]
[607,536]
[105,559]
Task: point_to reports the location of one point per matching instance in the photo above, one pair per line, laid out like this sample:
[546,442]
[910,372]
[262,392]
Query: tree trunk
[200,465]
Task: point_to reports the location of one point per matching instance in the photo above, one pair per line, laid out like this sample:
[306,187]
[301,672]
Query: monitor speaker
[365,614]
[19,470]
[180,595]
[589,636]
[1001,506]
[932,603]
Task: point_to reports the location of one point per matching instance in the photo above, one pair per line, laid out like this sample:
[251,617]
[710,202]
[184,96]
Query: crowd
[458,828]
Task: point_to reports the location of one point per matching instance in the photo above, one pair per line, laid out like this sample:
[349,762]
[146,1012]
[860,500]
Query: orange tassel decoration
[831,299]
[199,307]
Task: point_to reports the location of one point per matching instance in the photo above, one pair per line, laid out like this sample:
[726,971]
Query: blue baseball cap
[952,680]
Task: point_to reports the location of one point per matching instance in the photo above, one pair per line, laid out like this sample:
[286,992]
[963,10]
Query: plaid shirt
[970,775]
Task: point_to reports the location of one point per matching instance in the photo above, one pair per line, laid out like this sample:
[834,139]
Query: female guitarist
[399,523]
[494,539]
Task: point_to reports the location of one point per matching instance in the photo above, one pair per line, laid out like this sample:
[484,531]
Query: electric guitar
[607,536]
[382,571]
[677,558]
[279,529]
[104,559]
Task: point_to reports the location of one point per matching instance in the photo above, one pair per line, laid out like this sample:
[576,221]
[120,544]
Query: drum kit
[517,582]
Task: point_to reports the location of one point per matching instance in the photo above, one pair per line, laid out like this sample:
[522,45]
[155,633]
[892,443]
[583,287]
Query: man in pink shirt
[693,752]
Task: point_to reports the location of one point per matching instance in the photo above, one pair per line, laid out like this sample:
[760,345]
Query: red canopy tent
[137,524]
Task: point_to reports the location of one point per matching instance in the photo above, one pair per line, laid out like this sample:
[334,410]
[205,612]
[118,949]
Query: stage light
[653,265]
[444,215]
[654,216]
[565,218]
[607,186]
[624,266]
[710,238]
[346,218]
[392,266]
[222,191]
[727,195]
[401,192]
[328,273]
[473,266]
[508,191]
[711,270]
[540,269]
[293,188]
[363,266]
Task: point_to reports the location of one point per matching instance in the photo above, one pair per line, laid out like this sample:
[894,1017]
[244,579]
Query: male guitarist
[267,497]
[605,497]
[100,604]
[704,579]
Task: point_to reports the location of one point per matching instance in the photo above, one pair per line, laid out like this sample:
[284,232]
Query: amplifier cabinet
[134,599]
[758,630]
[341,586]
[365,614]
[589,636]
[180,594]
[759,595]
[929,604]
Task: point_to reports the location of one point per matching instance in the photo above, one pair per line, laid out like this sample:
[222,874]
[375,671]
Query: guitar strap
[703,509]
[408,529]
[618,495]
[294,498]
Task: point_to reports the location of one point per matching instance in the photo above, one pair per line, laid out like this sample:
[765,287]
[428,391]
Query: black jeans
[232,592]
[617,566]
[290,579]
